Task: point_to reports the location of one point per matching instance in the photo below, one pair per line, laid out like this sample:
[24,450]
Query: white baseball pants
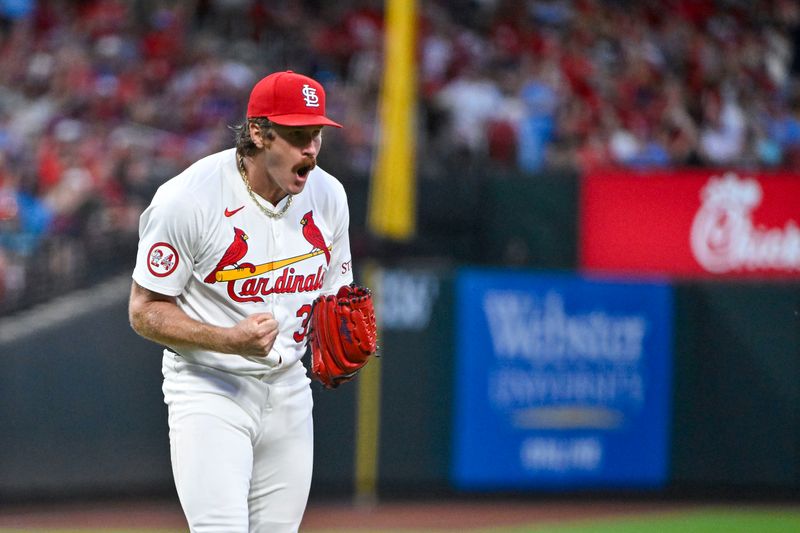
[241,448]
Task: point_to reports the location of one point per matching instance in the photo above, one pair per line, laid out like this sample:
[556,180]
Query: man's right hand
[254,335]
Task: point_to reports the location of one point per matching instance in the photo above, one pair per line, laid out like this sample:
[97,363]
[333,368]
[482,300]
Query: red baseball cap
[289,99]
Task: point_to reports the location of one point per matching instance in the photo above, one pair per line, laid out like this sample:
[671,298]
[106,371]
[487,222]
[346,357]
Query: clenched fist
[254,335]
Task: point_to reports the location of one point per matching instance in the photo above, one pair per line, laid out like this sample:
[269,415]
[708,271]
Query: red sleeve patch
[162,259]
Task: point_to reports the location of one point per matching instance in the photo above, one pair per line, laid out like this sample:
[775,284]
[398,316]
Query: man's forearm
[165,323]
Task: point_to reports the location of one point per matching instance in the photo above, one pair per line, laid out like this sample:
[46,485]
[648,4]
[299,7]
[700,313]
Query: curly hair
[244,143]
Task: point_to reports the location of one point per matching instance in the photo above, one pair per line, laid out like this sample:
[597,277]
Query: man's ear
[255,134]
[261,136]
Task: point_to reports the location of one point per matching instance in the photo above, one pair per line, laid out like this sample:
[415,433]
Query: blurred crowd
[101,101]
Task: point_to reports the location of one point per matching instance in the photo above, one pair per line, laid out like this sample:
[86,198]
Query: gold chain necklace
[268,212]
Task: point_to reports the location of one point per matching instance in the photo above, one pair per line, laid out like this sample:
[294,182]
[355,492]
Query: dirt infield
[466,515]
[455,515]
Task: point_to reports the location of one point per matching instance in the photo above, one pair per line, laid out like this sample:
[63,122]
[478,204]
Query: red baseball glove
[343,334]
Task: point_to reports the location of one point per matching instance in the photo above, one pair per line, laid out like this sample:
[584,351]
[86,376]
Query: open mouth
[303,170]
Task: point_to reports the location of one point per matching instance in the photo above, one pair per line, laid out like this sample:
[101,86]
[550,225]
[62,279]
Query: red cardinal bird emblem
[232,255]
[313,235]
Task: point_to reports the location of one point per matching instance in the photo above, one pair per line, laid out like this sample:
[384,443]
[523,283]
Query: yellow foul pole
[391,210]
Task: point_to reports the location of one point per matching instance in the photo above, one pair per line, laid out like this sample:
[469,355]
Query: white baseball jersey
[205,241]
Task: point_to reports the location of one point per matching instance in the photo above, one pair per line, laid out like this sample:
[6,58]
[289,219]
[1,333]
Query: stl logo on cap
[310,96]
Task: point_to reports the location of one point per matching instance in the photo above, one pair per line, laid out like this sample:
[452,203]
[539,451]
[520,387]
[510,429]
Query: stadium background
[518,105]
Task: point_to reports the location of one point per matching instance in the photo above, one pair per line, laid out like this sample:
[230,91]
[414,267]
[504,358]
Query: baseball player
[232,253]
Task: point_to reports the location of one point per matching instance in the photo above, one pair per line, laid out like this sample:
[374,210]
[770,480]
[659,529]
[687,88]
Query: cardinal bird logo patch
[314,236]
[235,252]
[162,259]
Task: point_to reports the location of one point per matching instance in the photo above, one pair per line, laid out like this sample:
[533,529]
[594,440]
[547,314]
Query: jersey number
[304,311]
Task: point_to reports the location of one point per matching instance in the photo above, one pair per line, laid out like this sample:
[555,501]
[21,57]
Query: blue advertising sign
[562,382]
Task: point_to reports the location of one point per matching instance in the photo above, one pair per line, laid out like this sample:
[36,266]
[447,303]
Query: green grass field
[712,521]
[690,522]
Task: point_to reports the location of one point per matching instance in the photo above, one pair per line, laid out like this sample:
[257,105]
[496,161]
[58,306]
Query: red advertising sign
[691,223]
